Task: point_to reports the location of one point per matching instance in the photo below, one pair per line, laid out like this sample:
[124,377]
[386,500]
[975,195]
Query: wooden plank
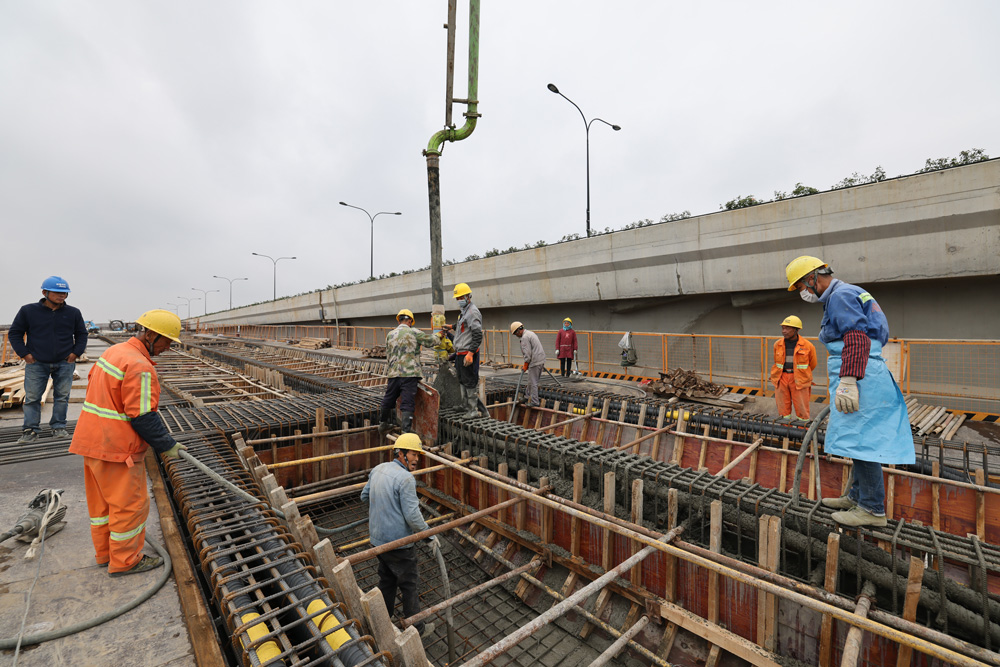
[655,450]
[713,656]
[603,598]
[667,641]
[569,585]
[522,508]
[830,584]
[704,448]
[670,562]
[577,497]
[980,506]
[768,545]
[914,583]
[715,545]
[678,452]
[345,585]
[635,575]
[412,648]
[784,466]
[716,634]
[609,508]
[383,630]
[197,617]
[546,527]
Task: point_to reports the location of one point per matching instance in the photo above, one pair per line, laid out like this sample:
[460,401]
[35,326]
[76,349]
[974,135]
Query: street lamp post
[586,124]
[205,293]
[189,299]
[230,287]
[274,280]
[175,306]
[371,268]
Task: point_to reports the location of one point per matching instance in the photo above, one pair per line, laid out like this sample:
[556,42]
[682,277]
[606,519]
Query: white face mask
[808,296]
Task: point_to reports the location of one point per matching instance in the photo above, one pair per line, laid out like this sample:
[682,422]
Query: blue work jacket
[393,512]
[52,334]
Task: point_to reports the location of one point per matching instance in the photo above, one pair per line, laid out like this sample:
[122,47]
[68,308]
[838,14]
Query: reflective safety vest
[804,358]
[121,386]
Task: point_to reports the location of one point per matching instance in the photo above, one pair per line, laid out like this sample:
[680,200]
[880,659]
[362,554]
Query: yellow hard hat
[462,289]
[792,321]
[409,441]
[515,325]
[800,267]
[404,313]
[162,322]
[566,319]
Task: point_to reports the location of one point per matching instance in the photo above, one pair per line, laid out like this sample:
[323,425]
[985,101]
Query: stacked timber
[934,420]
[313,343]
[12,387]
[376,352]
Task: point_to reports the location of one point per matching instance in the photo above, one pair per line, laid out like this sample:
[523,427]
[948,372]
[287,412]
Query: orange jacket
[121,386]
[805,362]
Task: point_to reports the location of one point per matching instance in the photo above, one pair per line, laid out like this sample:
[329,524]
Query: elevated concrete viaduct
[927,245]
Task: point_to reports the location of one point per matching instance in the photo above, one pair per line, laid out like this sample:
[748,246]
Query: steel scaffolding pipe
[525,631]
[612,651]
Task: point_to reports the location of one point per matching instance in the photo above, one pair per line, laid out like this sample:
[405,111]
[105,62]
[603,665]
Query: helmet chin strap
[149,346]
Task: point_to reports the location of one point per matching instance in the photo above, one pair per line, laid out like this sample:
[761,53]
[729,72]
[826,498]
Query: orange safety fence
[962,375]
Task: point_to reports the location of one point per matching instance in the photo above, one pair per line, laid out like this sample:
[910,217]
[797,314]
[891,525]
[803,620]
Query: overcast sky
[147,146]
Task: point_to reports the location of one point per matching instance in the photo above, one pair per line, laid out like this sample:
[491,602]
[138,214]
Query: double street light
[175,306]
[205,293]
[371,268]
[586,124]
[274,280]
[189,299]
[231,280]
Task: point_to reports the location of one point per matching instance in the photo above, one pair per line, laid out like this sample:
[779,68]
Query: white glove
[846,398]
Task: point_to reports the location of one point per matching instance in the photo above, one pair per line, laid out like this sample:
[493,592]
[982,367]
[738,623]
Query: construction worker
[534,359]
[566,347]
[468,336]
[402,351]
[868,422]
[56,337]
[394,513]
[792,372]
[118,423]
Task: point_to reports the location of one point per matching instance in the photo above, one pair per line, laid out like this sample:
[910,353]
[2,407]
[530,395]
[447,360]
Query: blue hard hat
[55,284]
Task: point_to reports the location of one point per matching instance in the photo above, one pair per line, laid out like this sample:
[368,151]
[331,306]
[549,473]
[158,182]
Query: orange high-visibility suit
[793,388]
[122,387]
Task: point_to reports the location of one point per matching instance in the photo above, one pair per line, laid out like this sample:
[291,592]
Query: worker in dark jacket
[49,336]
[868,422]
[394,513]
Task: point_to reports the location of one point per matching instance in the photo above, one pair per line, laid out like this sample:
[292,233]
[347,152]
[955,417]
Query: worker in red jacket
[566,347]
[119,422]
[792,372]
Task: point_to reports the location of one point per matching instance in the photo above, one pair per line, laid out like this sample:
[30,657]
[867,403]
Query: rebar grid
[482,620]
[254,572]
[945,603]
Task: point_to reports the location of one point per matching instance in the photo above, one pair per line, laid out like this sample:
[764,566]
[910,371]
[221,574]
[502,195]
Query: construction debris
[684,385]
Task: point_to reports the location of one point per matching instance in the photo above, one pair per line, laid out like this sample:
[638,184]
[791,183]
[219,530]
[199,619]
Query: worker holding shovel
[534,359]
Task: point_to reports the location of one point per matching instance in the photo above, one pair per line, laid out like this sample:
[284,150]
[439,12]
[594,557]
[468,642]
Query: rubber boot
[407,422]
[385,421]
[471,401]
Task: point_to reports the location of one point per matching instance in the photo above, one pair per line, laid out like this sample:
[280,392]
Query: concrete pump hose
[103,618]
[813,427]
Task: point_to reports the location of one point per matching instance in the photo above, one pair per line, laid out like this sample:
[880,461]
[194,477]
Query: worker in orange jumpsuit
[792,372]
[119,422]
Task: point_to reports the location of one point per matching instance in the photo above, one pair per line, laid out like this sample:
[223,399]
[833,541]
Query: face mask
[463,303]
[808,296]
[566,327]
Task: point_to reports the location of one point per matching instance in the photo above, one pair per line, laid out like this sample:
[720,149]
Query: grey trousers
[534,374]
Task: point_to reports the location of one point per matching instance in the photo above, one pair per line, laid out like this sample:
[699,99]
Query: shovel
[576,369]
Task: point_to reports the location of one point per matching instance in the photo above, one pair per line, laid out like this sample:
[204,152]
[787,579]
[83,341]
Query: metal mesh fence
[962,375]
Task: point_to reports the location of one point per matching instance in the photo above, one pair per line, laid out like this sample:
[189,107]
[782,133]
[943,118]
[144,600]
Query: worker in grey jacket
[394,513]
[468,337]
[534,359]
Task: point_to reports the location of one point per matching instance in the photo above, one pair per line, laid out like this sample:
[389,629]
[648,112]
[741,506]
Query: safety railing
[962,375]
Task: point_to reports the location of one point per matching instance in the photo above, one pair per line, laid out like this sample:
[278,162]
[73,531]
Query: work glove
[846,399]
[525,366]
[174,451]
[468,359]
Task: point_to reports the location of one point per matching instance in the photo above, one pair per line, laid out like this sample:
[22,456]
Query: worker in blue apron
[869,423]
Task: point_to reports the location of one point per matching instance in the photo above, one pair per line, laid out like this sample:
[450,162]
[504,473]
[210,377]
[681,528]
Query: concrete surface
[71,587]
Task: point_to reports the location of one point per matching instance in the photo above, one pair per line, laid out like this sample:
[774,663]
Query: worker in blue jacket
[869,422]
[49,335]
[394,513]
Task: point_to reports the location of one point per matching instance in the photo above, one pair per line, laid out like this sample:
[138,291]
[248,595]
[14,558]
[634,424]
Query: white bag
[626,341]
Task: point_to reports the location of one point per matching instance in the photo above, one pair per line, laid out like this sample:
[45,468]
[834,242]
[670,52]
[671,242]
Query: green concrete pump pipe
[433,150]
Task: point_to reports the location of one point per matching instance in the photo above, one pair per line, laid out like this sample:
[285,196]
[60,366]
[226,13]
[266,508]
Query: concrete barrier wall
[711,270]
